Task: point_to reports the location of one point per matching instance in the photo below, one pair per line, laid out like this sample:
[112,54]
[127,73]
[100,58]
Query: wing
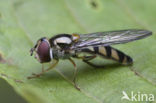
[109,38]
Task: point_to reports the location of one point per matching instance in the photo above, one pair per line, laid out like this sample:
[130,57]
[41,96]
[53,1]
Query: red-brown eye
[43,51]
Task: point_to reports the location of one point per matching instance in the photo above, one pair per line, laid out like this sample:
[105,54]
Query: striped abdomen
[112,53]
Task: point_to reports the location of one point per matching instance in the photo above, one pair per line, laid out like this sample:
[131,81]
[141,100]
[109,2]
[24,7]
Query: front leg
[43,71]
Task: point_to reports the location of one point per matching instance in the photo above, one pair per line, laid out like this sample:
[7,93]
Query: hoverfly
[67,46]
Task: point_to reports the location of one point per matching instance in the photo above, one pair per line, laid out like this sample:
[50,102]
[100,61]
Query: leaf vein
[129,12]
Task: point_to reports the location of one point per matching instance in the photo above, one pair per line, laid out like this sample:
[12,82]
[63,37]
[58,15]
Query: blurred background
[23,22]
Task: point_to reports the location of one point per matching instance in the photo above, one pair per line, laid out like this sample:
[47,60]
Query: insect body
[66,46]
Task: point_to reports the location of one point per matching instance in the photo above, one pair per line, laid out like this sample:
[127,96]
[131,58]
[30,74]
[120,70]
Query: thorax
[61,44]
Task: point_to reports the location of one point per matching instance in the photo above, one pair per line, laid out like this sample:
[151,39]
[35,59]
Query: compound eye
[43,51]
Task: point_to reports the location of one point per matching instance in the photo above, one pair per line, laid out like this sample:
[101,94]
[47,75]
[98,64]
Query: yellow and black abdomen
[109,53]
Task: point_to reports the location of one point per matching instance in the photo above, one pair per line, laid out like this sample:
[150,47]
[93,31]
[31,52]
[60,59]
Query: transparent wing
[109,38]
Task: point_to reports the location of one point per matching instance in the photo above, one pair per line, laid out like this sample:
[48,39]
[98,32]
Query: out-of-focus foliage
[23,22]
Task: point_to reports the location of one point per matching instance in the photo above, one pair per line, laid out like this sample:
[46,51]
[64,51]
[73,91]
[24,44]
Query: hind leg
[86,59]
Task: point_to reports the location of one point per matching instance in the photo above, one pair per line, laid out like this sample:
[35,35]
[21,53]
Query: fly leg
[86,59]
[75,73]
[43,71]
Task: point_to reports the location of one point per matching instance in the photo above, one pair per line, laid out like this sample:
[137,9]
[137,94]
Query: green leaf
[23,22]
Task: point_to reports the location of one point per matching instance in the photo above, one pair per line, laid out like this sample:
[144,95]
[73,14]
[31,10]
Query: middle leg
[75,73]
